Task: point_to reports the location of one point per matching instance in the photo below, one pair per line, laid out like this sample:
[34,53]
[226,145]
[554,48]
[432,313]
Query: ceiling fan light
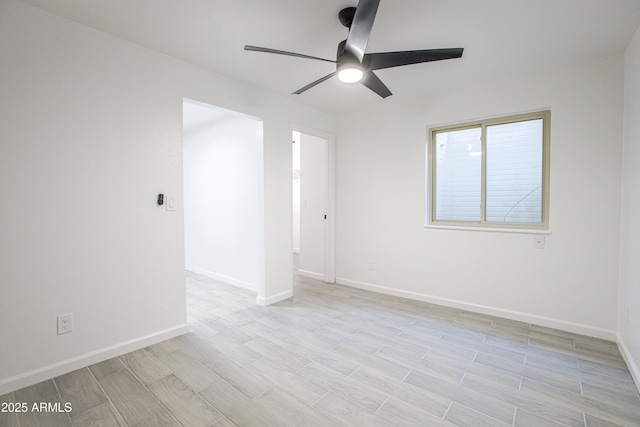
[350,75]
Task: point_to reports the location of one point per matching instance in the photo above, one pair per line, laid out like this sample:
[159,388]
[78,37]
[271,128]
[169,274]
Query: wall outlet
[65,323]
[372,265]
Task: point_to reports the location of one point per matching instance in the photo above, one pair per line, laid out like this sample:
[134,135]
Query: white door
[313,206]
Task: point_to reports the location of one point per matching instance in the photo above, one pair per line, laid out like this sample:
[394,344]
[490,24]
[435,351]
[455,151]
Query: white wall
[90,133]
[571,284]
[629,330]
[222,222]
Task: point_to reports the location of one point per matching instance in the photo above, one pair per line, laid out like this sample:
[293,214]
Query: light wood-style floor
[335,356]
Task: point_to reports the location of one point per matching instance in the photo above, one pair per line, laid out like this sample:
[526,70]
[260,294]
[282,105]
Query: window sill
[489,229]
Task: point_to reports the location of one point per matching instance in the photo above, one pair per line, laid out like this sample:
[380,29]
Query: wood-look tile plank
[481,347]
[544,358]
[132,400]
[345,386]
[197,348]
[527,419]
[350,412]
[107,367]
[608,348]
[249,382]
[462,416]
[445,348]
[440,363]
[492,405]
[187,406]
[295,412]
[304,389]
[163,347]
[36,392]
[241,354]
[394,342]
[145,366]
[390,367]
[189,370]
[231,330]
[614,413]
[352,339]
[102,415]
[427,401]
[8,418]
[223,422]
[42,416]
[161,418]
[549,377]
[612,395]
[592,421]
[400,413]
[428,365]
[620,373]
[278,336]
[237,407]
[81,390]
[535,403]
[327,359]
[277,353]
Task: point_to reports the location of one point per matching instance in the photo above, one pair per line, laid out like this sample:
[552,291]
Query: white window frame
[542,227]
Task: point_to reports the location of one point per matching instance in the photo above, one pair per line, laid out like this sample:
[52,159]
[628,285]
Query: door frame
[330,197]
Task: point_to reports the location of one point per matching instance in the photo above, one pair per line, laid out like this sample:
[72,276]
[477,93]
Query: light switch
[171,203]
[538,241]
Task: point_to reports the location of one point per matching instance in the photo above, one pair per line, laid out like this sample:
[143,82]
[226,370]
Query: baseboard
[224,279]
[311,274]
[274,298]
[628,358]
[35,376]
[575,328]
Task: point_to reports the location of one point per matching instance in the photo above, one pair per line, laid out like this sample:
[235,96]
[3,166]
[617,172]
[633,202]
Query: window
[490,174]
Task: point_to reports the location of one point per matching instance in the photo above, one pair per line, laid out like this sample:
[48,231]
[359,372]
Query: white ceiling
[500,37]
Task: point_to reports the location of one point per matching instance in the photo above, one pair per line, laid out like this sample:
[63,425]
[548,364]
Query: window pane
[458,175]
[514,172]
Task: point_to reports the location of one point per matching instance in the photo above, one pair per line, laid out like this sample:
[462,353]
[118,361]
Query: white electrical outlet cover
[65,323]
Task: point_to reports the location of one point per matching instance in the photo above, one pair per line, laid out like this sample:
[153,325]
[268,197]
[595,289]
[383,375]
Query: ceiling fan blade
[378,61]
[317,82]
[361,28]
[283,52]
[372,81]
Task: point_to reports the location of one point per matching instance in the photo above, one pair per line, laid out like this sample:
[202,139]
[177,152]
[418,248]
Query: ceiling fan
[353,65]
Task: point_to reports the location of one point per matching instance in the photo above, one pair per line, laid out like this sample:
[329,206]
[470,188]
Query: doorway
[312,197]
[223,219]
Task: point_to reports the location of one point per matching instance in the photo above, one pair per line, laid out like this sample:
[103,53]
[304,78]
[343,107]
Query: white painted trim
[564,325]
[35,376]
[273,299]
[224,279]
[628,358]
[311,275]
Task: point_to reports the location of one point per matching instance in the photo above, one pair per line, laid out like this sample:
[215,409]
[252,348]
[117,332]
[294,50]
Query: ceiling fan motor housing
[346,16]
